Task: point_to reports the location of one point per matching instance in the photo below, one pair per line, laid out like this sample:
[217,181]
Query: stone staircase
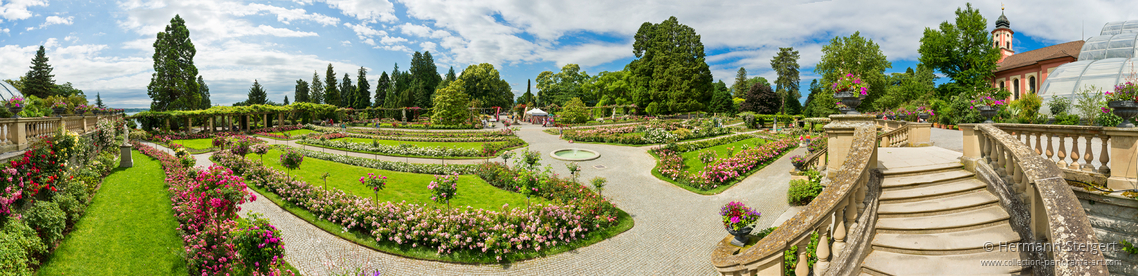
[935,220]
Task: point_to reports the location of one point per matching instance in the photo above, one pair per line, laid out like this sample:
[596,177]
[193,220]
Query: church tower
[1002,36]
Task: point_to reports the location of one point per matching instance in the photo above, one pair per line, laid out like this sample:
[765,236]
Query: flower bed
[653,133]
[433,138]
[205,202]
[487,150]
[388,132]
[500,234]
[385,165]
[724,171]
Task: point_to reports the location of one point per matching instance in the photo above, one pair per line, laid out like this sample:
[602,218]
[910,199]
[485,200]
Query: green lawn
[129,229]
[199,144]
[401,186]
[469,145]
[691,158]
[295,132]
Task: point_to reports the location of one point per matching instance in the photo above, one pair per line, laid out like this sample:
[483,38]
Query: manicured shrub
[259,244]
[48,220]
[71,207]
[802,191]
[18,245]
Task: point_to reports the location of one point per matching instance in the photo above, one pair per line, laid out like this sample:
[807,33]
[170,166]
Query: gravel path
[674,234]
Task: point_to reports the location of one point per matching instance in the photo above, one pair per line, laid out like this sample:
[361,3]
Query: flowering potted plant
[988,106]
[1123,101]
[923,113]
[799,162]
[15,105]
[374,181]
[737,218]
[849,89]
[59,107]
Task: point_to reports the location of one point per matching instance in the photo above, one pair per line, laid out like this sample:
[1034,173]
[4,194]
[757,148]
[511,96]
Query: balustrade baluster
[1016,174]
[1074,152]
[840,226]
[1038,145]
[802,267]
[1000,158]
[823,252]
[1104,157]
[1089,156]
[1062,151]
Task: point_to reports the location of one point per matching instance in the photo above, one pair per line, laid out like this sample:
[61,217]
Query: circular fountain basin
[575,154]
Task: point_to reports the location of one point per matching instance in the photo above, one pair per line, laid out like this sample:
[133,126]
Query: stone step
[991,213]
[959,240]
[928,190]
[916,169]
[925,178]
[938,204]
[964,264]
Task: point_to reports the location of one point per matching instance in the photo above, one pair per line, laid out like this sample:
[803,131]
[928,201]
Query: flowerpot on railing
[891,117]
[799,167]
[1126,110]
[850,99]
[59,111]
[741,236]
[924,117]
[879,116]
[988,112]
[15,111]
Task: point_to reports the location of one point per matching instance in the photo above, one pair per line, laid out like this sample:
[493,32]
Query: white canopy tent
[536,112]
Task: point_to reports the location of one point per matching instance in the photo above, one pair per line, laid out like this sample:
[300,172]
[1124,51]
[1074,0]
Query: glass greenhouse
[1104,61]
[7,91]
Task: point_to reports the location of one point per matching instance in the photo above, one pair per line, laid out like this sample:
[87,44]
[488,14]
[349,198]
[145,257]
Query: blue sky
[105,46]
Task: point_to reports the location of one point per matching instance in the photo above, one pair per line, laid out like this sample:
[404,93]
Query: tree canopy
[962,51]
[761,99]
[424,79]
[174,86]
[301,92]
[363,89]
[205,102]
[785,64]
[381,87]
[257,94]
[856,55]
[721,101]
[316,89]
[451,104]
[483,83]
[331,89]
[39,81]
[558,88]
[670,72]
[739,88]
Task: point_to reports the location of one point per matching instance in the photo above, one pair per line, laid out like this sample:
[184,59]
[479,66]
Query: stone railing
[816,160]
[889,125]
[1033,191]
[898,137]
[17,133]
[1084,153]
[830,214]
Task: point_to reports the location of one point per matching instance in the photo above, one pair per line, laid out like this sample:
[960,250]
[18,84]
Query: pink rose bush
[722,171]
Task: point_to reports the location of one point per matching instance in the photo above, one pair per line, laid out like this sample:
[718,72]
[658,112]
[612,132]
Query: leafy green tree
[615,85]
[99,100]
[381,87]
[331,91]
[558,88]
[761,99]
[740,87]
[66,90]
[316,88]
[39,81]
[785,64]
[721,100]
[912,86]
[257,94]
[575,111]
[483,83]
[174,86]
[347,92]
[820,103]
[670,69]
[856,55]
[962,51]
[205,104]
[363,93]
[301,92]
[451,104]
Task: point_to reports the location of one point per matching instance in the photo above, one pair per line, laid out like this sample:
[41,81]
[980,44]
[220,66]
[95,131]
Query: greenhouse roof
[1072,78]
[1119,27]
[7,91]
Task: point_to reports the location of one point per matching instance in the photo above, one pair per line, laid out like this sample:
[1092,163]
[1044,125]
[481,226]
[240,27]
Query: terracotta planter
[1124,109]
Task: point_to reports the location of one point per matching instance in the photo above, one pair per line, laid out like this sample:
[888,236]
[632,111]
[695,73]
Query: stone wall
[1114,219]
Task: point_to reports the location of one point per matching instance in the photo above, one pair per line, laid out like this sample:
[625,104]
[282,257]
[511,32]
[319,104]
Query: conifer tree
[174,86]
[331,91]
[38,81]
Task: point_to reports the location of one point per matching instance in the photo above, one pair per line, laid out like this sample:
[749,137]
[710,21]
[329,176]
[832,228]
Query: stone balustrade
[817,159]
[1083,153]
[1033,190]
[18,133]
[831,214]
[905,134]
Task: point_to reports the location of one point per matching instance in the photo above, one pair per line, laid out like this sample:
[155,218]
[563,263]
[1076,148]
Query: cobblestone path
[674,233]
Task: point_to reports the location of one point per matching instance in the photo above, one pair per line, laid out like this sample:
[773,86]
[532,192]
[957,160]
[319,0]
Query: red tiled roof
[1069,49]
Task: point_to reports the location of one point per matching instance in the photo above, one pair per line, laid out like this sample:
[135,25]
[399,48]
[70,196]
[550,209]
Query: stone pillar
[189,124]
[841,131]
[920,134]
[21,132]
[125,160]
[1123,150]
[211,125]
[167,123]
[972,153]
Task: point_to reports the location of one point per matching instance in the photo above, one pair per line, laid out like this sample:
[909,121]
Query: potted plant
[59,107]
[988,106]
[1123,101]
[15,105]
[849,89]
[799,162]
[923,114]
[737,219]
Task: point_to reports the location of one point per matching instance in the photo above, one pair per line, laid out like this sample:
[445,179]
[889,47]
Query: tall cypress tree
[363,93]
[38,81]
[425,77]
[174,86]
[347,92]
[381,89]
[257,94]
[316,89]
[99,100]
[301,92]
[740,86]
[670,73]
[286,100]
[204,92]
[331,92]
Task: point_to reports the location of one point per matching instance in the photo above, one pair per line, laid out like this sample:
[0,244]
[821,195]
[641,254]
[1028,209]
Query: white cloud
[56,20]
[363,31]
[366,10]
[273,31]
[286,16]
[18,9]
[428,46]
[398,48]
[589,54]
[5,30]
[388,40]
[346,43]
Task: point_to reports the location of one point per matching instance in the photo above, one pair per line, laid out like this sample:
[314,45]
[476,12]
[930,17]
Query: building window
[1031,84]
[1015,88]
[1001,85]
